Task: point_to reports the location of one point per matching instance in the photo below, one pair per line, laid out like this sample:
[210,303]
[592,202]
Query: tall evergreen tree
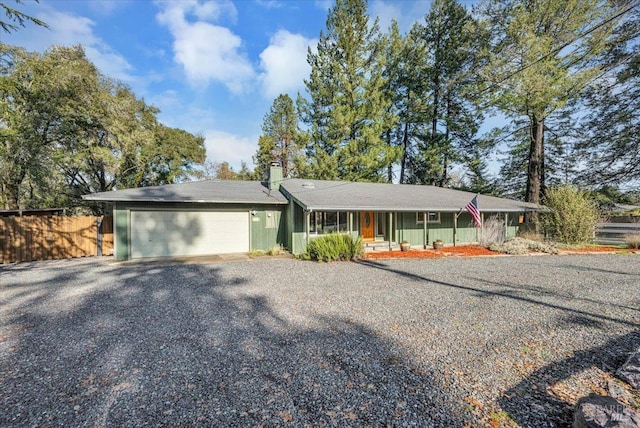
[543,58]
[452,40]
[431,77]
[611,141]
[281,140]
[348,111]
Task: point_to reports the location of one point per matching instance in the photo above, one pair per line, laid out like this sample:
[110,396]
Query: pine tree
[452,40]
[543,58]
[431,75]
[348,111]
[611,142]
[281,140]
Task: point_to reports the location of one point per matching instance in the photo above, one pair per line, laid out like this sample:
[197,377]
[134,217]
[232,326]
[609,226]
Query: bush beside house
[573,217]
[334,247]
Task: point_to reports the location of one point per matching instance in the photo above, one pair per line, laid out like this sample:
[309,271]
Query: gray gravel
[443,342]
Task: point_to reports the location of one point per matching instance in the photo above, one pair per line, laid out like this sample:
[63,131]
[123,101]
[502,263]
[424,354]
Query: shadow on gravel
[532,392]
[513,293]
[599,270]
[529,403]
[184,345]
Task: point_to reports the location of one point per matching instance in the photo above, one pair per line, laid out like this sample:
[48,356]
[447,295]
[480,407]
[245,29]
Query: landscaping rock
[597,411]
[630,371]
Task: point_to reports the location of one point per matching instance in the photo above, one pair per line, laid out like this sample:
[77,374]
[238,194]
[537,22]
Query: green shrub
[573,217]
[334,247]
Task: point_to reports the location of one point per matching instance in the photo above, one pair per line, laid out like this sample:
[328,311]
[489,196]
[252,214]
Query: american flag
[473,209]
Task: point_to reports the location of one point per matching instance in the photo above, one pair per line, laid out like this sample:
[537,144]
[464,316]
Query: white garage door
[188,233]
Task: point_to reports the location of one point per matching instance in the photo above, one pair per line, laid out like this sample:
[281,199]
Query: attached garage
[195,219]
[168,233]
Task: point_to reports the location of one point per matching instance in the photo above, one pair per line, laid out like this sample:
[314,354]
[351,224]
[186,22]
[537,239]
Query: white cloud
[405,13]
[66,29]
[385,12]
[106,7]
[207,52]
[284,63]
[225,147]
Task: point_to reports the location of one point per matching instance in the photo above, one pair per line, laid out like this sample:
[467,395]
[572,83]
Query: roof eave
[412,209]
[193,201]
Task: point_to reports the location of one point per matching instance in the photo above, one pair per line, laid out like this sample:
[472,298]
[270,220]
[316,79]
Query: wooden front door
[367,226]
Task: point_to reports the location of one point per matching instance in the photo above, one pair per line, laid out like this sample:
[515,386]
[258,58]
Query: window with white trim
[322,222]
[432,217]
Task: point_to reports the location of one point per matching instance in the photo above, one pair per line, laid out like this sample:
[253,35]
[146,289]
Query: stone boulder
[598,411]
[630,371]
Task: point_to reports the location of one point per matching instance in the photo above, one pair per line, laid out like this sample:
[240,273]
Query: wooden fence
[613,231]
[47,238]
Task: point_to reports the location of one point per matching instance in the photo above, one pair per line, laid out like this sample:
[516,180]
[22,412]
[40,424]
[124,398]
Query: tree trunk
[13,196]
[535,171]
[284,157]
[405,150]
[445,151]
[390,166]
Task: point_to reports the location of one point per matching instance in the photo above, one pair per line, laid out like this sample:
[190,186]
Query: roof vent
[308,185]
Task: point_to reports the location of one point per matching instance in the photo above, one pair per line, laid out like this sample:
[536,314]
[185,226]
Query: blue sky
[212,68]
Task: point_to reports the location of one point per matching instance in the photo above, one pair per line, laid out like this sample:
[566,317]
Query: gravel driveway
[90,342]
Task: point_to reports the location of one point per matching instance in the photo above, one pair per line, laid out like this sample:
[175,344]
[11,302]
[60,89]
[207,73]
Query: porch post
[306,225]
[390,228]
[350,221]
[425,237]
[455,228]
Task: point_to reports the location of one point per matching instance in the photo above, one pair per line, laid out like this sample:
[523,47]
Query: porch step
[380,246]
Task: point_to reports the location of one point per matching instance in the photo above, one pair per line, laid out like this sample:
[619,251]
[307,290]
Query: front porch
[385,230]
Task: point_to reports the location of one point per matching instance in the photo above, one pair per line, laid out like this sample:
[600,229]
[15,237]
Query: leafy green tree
[68,130]
[348,111]
[542,59]
[35,92]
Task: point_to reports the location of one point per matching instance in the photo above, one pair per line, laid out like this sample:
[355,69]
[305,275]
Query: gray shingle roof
[317,195]
[211,191]
[347,195]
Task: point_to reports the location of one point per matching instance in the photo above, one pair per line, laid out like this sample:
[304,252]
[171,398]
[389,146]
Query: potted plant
[405,246]
[438,244]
